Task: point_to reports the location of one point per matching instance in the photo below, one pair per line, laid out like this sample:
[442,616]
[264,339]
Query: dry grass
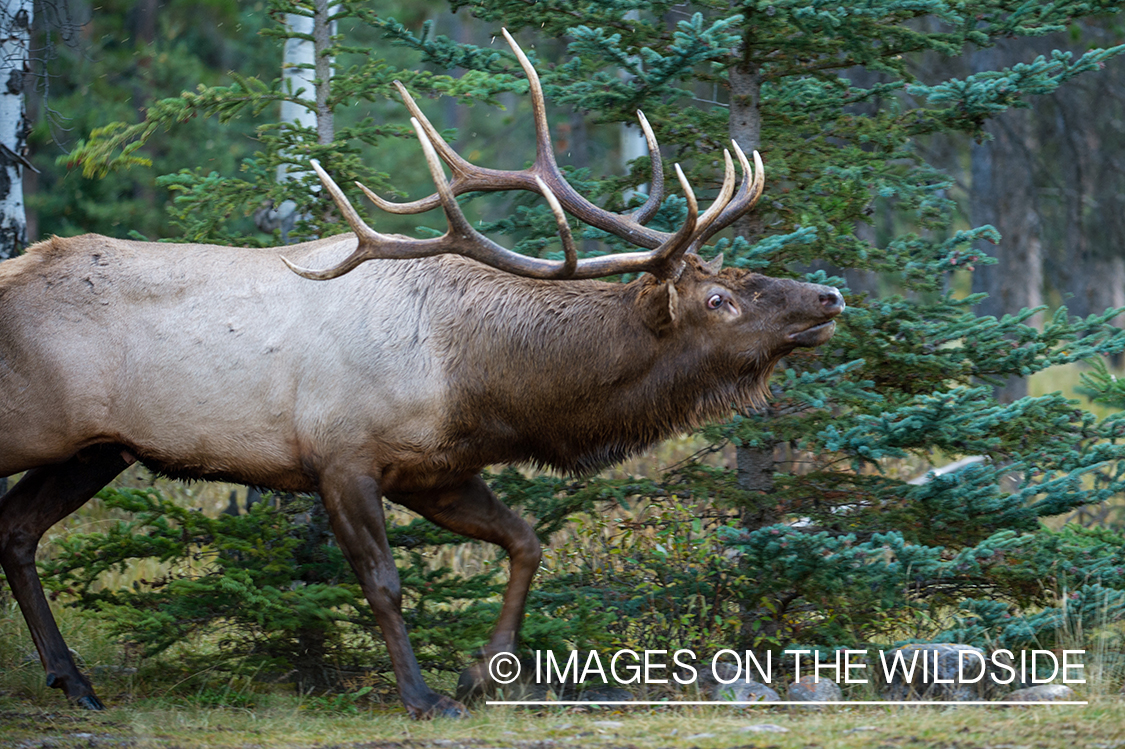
[162,707]
[287,722]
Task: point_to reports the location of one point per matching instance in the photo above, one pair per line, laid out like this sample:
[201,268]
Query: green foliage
[858,552]
[263,591]
[238,571]
[210,204]
[657,579]
[848,591]
[841,549]
[1103,387]
[111,73]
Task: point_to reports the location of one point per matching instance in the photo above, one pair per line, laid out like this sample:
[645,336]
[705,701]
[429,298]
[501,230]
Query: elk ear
[660,307]
[714,265]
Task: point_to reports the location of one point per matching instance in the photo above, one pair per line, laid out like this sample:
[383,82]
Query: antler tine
[753,183]
[759,179]
[674,248]
[567,239]
[463,239]
[358,225]
[656,185]
[722,200]
[547,168]
[366,234]
[453,215]
[662,261]
[459,166]
[448,155]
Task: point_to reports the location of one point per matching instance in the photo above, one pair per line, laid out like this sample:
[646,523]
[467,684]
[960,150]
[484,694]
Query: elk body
[402,378]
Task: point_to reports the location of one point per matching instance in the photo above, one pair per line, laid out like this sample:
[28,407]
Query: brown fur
[401,379]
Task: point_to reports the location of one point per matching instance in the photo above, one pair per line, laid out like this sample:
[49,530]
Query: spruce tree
[836,545]
[833,544]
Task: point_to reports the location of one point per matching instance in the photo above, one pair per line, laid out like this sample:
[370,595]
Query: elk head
[751,320]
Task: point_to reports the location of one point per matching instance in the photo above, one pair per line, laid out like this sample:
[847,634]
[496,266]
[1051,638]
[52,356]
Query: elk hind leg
[355,509]
[471,509]
[43,497]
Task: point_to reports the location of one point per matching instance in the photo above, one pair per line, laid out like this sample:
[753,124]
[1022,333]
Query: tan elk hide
[423,361]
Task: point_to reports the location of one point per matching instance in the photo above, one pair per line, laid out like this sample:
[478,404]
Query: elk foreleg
[354,506]
[43,497]
[472,510]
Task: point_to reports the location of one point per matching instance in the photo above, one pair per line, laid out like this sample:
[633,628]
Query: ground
[293,725]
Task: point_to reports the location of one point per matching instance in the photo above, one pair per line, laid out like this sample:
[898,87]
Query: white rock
[765,728]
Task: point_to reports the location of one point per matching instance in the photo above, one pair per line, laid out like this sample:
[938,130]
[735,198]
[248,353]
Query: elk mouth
[814,335]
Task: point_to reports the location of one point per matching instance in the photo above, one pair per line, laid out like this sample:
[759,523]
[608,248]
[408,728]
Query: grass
[162,706]
[289,722]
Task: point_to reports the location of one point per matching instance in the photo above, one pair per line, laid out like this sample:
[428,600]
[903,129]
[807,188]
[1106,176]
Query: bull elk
[400,380]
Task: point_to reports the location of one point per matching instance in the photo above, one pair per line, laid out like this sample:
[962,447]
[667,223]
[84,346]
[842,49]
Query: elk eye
[715,301]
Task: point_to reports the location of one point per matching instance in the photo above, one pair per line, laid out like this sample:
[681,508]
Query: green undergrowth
[161,702]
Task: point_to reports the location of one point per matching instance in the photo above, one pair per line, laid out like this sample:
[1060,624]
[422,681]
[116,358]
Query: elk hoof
[89,702]
[84,701]
[438,706]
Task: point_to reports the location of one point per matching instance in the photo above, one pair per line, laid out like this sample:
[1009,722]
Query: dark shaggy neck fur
[569,375]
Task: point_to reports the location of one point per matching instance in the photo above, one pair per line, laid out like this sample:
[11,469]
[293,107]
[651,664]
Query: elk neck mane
[567,375]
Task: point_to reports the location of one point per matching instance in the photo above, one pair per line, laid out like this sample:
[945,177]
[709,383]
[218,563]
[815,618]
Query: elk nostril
[831,298]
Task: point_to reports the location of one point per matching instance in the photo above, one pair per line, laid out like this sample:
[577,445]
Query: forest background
[893,134]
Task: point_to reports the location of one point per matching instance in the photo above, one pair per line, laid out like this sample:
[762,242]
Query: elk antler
[544,176]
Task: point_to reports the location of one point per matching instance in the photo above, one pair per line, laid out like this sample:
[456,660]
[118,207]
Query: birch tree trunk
[15,41]
[305,65]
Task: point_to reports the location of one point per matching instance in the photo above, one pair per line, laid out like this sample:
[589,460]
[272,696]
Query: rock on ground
[1042,693]
[742,691]
[957,676]
[811,689]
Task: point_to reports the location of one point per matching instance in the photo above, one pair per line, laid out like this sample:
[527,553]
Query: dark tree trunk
[1052,181]
[1085,197]
[756,465]
[1004,195]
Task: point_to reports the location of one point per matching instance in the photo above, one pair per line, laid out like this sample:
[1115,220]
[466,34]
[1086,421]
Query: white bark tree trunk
[15,41]
[298,72]
[304,66]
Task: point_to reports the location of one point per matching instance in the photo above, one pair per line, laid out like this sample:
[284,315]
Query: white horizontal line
[778,703]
